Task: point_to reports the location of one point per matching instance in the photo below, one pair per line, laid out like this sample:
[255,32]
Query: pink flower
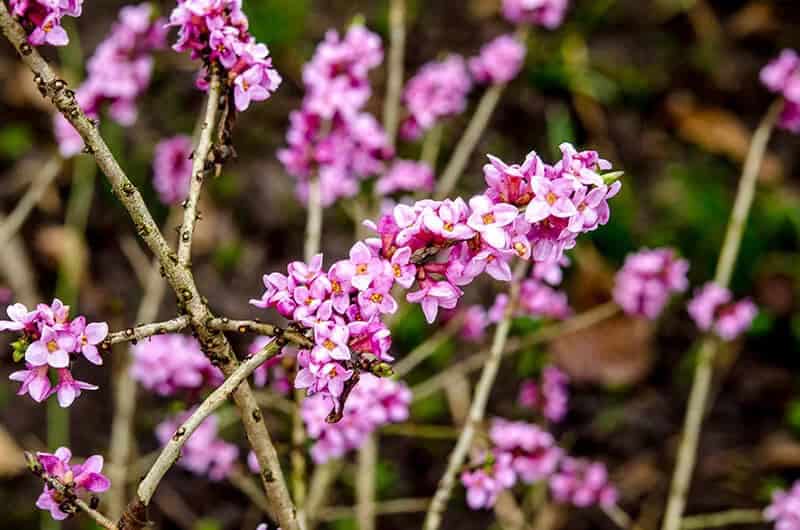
[473,328]
[405,175]
[69,388]
[545,13]
[437,91]
[170,363]
[488,219]
[647,279]
[35,382]
[21,319]
[80,478]
[499,61]
[448,219]
[51,349]
[784,510]
[551,398]
[172,168]
[365,265]
[551,197]
[331,342]
[88,337]
[582,483]
[484,483]
[535,455]
[735,319]
[378,298]
[712,309]
[433,295]
[403,270]
[204,453]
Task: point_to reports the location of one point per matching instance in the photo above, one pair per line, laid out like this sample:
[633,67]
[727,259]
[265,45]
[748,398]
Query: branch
[426,348]
[433,518]
[726,518]
[698,396]
[17,217]
[394,83]
[322,478]
[171,452]
[365,483]
[396,506]
[199,162]
[545,334]
[147,330]
[254,326]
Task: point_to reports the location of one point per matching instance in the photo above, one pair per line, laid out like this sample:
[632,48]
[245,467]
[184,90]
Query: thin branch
[394,82]
[322,478]
[416,430]
[620,517]
[248,486]
[70,498]
[137,259]
[392,507]
[426,348]
[16,267]
[431,146]
[17,217]
[365,483]
[199,162]
[720,519]
[433,518]
[698,396]
[314,219]
[466,145]
[260,328]
[171,452]
[147,330]
[545,334]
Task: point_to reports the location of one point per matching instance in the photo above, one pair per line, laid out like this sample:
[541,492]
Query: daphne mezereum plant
[336,349]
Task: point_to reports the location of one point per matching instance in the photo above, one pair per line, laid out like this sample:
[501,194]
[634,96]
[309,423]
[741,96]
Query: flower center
[550,198]
[376,297]
[488,218]
[328,343]
[336,287]
[448,227]
[397,270]
[361,268]
[52,346]
[520,248]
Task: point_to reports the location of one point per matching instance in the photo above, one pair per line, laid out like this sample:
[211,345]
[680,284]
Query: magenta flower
[88,337]
[551,197]
[782,76]
[365,266]
[448,219]
[545,13]
[340,275]
[80,478]
[204,453]
[713,309]
[484,483]
[35,382]
[433,295]
[21,319]
[377,299]
[405,175]
[69,388]
[535,455]
[170,363]
[473,328]
[582,483]
[331,342]
[551,398]
[403,270]
[488,219]
[783,510]
[172,168]
[647,279]
[735,319]
[499,61]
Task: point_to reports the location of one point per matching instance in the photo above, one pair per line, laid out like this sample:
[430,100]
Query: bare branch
[720,519]
[147,330]
[254,326]
[25,206]
[394,82]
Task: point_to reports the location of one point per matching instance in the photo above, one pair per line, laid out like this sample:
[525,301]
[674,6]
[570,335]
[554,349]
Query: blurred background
[667,90]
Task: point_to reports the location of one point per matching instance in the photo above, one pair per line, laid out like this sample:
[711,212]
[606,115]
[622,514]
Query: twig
[545,334]
[137,259]
[253,326]
[431,145]
[466,145]
[416,430]
[248,486]
[322,478]
[433,518]
[726,518]
[70,498]
[16,267]
[199,161]
[396,506]
[24,207]
[314,219]
[148,330]
[394,83]
[426,348]
[125,401]
[275,401]
[171,452]
[365,483]
[698,396]
[620,517]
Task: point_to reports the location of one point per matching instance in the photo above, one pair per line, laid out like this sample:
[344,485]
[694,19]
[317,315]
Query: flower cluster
[521,452]
[533,211]
[331,135]
[550,397]
[782,76]
[172,168]
[49,339]
[373,403]
[713,309]
[475,320]
[582,483]
[647,279]
[204,453]
[538,297]
[272,372]
[545,13]
[499,61]
[42,18]
[75,479]
[169,363]
[405,175]
[216,31]
[785,509]
[117,73]
[437,91]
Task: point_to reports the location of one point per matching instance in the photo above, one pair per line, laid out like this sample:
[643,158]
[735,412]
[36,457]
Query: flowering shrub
[425,245]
